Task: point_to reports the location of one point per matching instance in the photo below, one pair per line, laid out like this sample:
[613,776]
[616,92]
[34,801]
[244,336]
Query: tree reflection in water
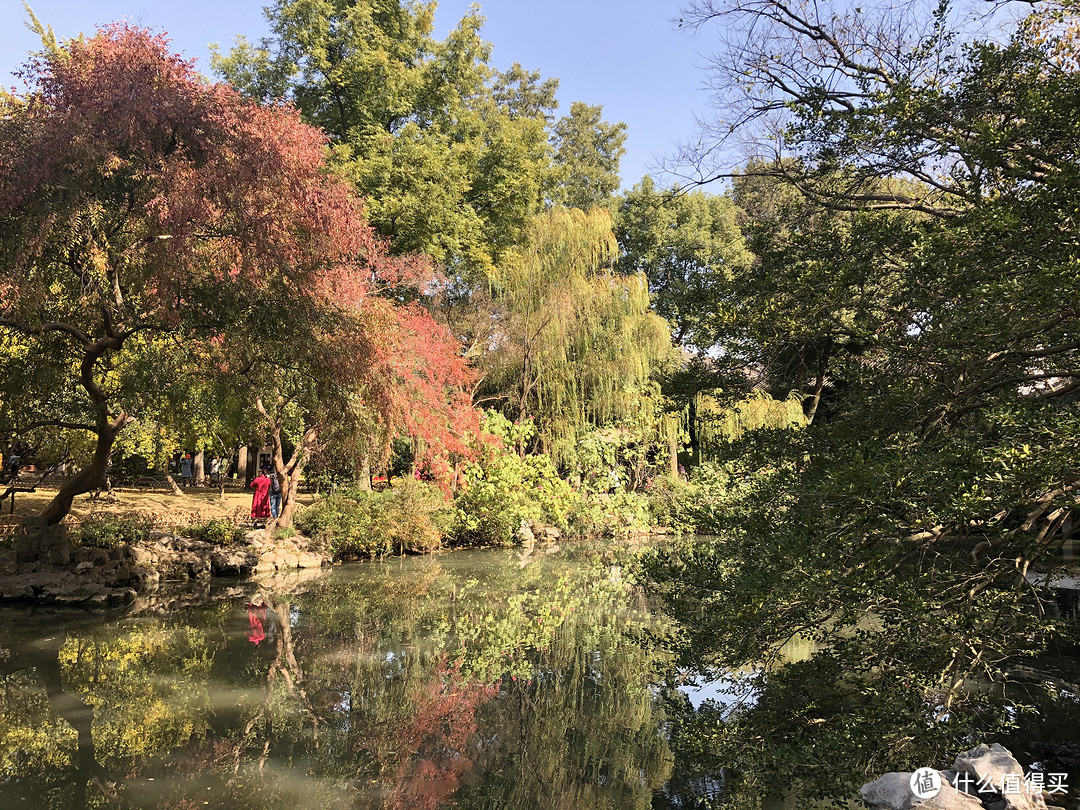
[468,680]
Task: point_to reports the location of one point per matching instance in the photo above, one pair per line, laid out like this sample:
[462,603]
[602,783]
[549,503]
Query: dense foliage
[159,233]
[867,351]
[353,524]
[912,285]
[575,344]
[454,156]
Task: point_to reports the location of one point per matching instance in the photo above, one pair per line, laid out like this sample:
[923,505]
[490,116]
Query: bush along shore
[507,500]
[110,558]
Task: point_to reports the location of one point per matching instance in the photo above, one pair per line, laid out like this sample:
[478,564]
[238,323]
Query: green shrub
[104,530]
[502,490]
[413,516]
[666,496]
[705,505]
[612,514]
[218,532]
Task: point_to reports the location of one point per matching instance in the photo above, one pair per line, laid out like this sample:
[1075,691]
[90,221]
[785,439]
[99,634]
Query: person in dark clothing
[275,494]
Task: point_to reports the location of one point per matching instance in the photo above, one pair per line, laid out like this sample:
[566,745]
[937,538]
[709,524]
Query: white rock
[993,764]
[893,791]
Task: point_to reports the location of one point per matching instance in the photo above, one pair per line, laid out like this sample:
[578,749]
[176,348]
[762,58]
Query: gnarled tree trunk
[91,477]
[289,472]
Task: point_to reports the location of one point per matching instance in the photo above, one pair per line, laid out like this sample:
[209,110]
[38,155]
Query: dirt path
[196,504]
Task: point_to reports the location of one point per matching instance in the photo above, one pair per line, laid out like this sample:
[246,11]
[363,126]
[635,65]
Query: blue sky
[624,54]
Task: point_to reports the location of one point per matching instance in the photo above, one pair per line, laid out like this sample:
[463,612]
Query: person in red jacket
[260,501]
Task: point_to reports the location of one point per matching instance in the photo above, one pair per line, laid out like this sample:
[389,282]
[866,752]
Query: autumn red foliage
[141,203]
[433,751]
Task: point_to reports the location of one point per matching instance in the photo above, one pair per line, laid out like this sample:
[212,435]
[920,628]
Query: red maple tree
[143,208]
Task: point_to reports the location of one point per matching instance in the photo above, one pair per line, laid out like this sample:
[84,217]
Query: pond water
[469,679]
[493,679]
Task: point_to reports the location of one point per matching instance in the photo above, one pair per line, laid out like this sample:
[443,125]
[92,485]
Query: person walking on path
[275,494]
[260,501]
[185,470]
[215,471]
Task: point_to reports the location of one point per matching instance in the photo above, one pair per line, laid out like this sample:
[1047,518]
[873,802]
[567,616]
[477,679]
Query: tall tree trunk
[198,469]
[365,472]
[695,444]
[242,462]
[173,486]
[673,445]
[171,481]
[289,473]
[94,476]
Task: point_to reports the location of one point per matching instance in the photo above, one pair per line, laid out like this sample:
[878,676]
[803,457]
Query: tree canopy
[690,247]
[907,221]
[144,212]
[453,156]
[575,343]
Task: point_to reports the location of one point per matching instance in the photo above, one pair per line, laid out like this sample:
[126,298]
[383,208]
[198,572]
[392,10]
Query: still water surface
[471,679]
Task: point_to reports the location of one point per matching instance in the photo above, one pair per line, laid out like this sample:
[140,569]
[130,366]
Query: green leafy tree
[451,155]
[908,531]
[587,154]
[690,247]
[575,344]
[142,209]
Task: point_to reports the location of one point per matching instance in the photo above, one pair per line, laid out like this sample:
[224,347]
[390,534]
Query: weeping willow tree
[716,421]
[574,344]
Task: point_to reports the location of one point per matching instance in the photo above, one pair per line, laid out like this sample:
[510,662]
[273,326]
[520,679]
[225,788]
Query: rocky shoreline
[42,565]
[984,778]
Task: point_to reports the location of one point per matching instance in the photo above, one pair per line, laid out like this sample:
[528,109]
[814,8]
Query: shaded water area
[494,679]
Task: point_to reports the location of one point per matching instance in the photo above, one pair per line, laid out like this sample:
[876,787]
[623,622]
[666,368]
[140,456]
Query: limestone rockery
[42,565]
[984,778]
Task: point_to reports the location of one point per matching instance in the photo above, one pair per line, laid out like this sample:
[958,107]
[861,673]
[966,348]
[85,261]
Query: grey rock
[83,567]
[551,533]
[8,564]
[15,590]
[196,565]
[993,764]
[232,563]
[893,791]
[122,596]
[145,576]
[27,548]
[141,554]
[60,552]
[985,761]
[121,576]
[525,533]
